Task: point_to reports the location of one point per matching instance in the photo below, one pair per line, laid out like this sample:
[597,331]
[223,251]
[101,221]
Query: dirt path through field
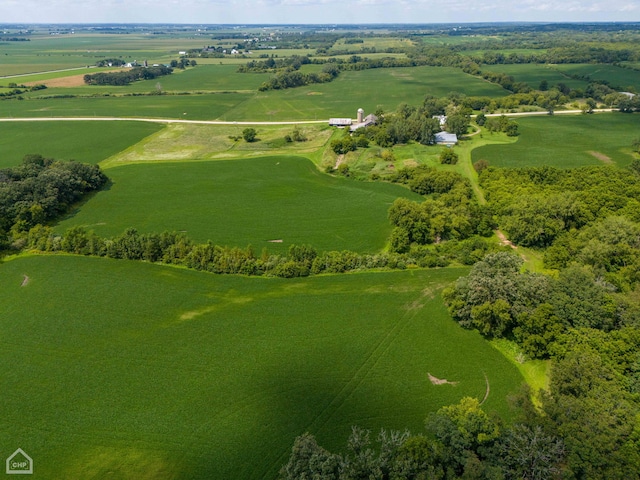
[601,156]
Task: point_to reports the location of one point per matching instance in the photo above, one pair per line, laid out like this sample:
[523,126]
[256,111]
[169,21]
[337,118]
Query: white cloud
[315,11]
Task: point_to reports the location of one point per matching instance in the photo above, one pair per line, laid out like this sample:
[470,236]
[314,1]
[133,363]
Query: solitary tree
[249,134]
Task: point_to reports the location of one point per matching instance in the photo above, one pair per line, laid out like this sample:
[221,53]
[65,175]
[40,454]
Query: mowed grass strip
[241,202]
[132,370]
[566,142]
[87,142]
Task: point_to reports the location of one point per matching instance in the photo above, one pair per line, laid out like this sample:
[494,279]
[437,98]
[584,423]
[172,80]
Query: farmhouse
[444,138]
[442,119]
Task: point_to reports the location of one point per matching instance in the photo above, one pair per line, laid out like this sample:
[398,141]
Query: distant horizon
[323,12]
[346,24]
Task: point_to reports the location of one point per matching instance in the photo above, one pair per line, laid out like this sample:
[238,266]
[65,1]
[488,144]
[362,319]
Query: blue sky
[315,11]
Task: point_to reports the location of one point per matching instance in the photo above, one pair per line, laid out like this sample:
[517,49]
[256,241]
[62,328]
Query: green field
[617,77]
[532,74]
[566,142]
[241,202]
[87,142]
[368,89]
[160,373]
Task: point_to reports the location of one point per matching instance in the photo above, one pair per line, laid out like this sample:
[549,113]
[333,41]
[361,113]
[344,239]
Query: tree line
[128,76]
[175,248]
[39,190]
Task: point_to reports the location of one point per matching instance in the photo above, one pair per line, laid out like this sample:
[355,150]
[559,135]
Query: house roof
[446,138]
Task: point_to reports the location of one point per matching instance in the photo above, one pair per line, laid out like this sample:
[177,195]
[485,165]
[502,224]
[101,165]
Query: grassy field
[162,373]
[566,142]
[213,142]
[617,77]
[242,202]
[87,142]
[532,74]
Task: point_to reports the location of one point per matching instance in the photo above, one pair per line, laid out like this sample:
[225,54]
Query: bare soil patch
[601,156]
[66,82]
[504,240]
[25,281]
[440,381]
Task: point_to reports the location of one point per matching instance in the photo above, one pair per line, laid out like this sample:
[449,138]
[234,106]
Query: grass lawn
[87,142]
[566,142]
[163,373]
[242,202]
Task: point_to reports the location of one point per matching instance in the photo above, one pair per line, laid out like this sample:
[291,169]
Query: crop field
[532,74]
[241,202]
[190,107]
[386,88]
[602,139]
[203,78]
[44,53]
[87,142]
[163,373]
[616,76]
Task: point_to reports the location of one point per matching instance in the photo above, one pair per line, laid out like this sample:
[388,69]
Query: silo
[360,115]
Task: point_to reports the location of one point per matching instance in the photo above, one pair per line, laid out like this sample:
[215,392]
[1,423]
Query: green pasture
[566,141]
[533,73]
[87,142]
[617,77]
[244,202]
[162,373]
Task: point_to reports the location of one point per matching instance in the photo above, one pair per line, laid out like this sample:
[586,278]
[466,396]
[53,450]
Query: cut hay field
[193,142]
[240,202]
[532,74]
[566,142]
[87,142]
[162,373]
